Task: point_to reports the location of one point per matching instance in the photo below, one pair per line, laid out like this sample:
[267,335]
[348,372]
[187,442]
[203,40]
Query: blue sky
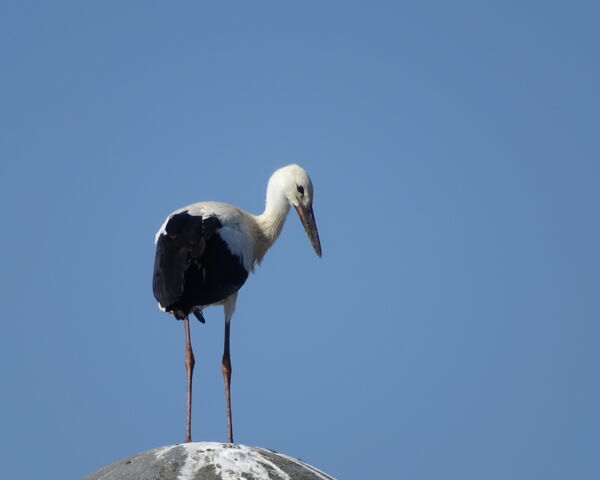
[451,327]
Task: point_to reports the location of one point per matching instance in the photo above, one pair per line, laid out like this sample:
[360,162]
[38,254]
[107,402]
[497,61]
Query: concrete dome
[208,461]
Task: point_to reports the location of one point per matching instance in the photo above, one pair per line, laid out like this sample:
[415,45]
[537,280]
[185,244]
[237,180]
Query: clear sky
[450,329]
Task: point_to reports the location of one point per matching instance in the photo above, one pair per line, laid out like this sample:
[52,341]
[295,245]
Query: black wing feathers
[183,240]
[193,265]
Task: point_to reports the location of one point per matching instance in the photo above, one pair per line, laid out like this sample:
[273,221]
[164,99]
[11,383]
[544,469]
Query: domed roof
[208,461]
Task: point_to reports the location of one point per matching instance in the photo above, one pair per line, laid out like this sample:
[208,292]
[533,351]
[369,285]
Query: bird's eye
[300,189]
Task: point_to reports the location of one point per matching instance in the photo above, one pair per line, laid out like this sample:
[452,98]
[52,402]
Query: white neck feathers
[271,221]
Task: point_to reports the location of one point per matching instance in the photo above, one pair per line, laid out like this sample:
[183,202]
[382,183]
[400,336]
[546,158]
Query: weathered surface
[208,461]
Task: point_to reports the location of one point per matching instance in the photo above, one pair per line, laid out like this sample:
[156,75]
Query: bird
[205,252]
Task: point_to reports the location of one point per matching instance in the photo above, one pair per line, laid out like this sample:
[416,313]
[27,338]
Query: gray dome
[208,461]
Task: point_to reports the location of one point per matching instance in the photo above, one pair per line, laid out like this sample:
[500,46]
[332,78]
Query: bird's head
[295,184]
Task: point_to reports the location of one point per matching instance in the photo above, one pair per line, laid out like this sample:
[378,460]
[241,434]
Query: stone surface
[208,461]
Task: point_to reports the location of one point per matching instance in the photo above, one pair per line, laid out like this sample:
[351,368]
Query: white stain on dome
[230,462]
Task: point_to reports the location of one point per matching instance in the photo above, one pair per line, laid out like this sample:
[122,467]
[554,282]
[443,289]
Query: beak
[307,217]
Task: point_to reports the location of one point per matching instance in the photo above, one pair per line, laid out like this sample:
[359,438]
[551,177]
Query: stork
[205,251]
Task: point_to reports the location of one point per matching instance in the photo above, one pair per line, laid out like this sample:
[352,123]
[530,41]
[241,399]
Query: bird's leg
[189,366]
[226,369]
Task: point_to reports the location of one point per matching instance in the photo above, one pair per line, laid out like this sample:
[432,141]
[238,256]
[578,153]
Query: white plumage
[205,251]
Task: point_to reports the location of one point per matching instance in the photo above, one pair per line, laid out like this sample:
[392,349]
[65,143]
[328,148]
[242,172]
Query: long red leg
[189,366]
[226,369]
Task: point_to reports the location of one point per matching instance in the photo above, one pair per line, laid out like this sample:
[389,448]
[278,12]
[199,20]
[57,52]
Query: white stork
[205,251]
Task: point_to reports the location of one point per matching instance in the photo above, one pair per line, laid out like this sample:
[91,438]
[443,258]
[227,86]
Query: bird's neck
[272,219]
